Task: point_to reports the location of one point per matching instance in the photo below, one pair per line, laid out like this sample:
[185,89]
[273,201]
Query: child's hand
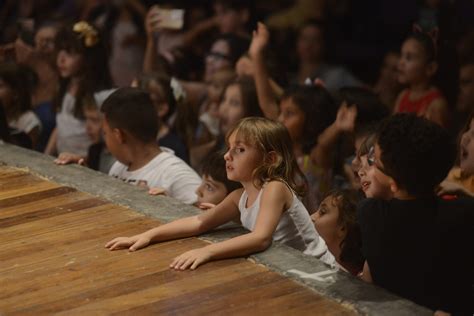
[157,191]
[450,187]
[191,259]
[67,158]
[132,243]
[206,206]
[260,39]
[346,117]
[152,20]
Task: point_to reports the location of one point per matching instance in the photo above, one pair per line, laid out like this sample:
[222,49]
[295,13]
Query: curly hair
[415,152]
[270,136]
[351,245]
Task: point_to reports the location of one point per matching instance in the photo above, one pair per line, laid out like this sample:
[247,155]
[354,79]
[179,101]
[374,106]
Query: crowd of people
[281,125]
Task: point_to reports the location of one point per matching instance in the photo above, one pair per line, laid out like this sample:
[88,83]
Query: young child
[214,186]
[130,128]
[373,182]
[460,180]
[259,157]
[98,157]
[417,66]
[407,240]
[238,101]
[335,220]
[166,105]
[84,72]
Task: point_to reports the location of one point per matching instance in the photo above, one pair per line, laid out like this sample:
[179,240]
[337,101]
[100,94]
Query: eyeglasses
[371,159]
[217,55]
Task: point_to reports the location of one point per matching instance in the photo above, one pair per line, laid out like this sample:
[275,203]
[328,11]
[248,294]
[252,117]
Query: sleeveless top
[295,228]
[420,105]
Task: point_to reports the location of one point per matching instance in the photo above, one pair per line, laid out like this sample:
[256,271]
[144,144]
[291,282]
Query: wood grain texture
[53,260]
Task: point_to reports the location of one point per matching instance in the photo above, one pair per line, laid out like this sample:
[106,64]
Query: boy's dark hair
[370,109]
[131,109]
[415,152]
[351,246]
[214,166]
[319,108]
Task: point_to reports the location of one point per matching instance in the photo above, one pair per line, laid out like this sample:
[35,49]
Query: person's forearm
[266,96]
[51,146]
[181,228]
[194,33]
[321,154]
[239,246]
[150,54]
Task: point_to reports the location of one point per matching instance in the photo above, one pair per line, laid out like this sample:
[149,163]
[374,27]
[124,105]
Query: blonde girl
[259,156]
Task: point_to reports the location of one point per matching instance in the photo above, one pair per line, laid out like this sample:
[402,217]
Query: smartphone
[171,18]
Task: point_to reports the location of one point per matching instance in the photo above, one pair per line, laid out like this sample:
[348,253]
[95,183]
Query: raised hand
[132,243]
[191,259]
[346,117]
[260,39]
[152,20]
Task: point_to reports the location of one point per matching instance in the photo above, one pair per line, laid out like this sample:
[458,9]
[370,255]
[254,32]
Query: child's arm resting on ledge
[276,197]
[184,227]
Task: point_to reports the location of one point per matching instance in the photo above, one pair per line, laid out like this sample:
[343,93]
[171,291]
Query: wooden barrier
[53,260]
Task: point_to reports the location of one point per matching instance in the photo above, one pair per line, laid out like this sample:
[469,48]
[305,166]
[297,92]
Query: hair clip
[87,32]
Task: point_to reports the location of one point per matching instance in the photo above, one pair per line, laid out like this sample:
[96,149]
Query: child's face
[6,93]
[373,181]
[326,221]
[44,40]
[231,109]
[229,20]
[211,191]
[293,118]
[217,59]
[241,160]
[93,124]
[69,64]
[310,44]
[467,150]
[412,66]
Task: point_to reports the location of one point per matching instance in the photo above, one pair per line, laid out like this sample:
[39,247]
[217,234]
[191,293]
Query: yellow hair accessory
[86,31]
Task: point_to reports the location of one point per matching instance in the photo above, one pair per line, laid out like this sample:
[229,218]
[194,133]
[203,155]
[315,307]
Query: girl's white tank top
[294,229]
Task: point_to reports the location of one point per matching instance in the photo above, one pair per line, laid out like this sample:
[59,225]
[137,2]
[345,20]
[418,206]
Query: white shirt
[165,171]
[26,122]
[72,136]
[294,229]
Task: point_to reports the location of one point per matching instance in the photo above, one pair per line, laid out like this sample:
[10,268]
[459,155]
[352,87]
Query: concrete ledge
[344,288]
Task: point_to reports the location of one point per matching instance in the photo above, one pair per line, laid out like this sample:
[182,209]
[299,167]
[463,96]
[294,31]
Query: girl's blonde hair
[269,136]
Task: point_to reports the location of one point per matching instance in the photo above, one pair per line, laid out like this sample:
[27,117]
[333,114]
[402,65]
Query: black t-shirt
[421,249]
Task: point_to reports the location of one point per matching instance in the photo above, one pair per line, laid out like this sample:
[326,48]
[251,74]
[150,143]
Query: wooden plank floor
[53,260]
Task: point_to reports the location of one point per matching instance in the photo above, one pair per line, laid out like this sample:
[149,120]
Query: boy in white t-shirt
[130,128]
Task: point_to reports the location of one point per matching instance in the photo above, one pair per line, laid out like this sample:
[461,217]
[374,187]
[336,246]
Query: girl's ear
[272,157]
